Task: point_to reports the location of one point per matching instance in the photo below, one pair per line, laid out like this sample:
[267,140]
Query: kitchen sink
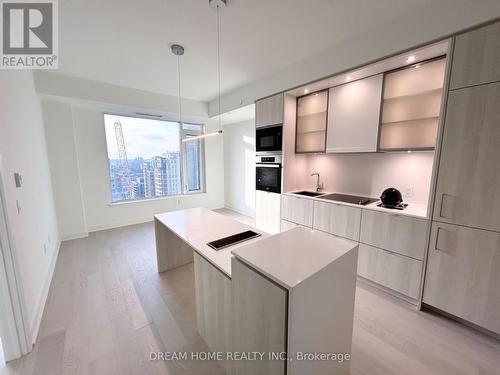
[309,193]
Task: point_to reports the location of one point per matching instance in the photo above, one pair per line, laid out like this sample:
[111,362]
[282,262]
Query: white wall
[23,149]
[370,174]
[239,167]
[75,134]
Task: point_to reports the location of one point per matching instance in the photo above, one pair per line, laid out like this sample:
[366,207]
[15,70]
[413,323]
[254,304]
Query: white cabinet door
[297,210]
[269,111]
[337,219]
[267,211]
[391,270]
[397,233]
[354,115]
[463,274]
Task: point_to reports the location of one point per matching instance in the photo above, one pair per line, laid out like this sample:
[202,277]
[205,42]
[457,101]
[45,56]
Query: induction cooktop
[353,199]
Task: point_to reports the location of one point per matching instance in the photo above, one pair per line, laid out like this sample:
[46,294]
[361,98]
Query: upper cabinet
[354,115]
[469,169]
[269,111]
[476,57]
[411,107]
[311,122]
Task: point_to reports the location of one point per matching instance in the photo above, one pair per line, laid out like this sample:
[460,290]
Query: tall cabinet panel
[476,57]
[463,274]
[469,170]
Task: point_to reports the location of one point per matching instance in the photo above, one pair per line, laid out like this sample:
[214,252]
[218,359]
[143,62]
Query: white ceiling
[126,42]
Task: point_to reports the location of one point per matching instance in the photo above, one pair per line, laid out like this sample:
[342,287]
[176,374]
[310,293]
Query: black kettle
[391,197]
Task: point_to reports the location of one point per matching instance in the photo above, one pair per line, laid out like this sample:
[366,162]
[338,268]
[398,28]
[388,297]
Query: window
[147,158]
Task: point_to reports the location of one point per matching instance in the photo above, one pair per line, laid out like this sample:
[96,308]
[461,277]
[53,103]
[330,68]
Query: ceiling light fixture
[411,59]
[215,5]
[306,91]
[178,51]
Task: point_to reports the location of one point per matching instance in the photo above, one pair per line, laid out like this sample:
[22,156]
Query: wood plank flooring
[108,309]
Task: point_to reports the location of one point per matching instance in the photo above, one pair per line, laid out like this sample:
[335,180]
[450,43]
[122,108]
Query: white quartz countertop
[197,226]
[290,257]
[413,209]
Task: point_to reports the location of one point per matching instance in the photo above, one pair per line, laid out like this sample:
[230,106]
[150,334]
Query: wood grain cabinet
[476,57]
[259,306]
[393,271]
[396,233]
[340,220]
[469,169]
[269,111]
[354,115]
[463,274]
[213,306]
[297,210]
[311,122]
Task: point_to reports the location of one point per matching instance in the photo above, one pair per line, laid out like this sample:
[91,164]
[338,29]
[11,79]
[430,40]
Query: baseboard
[35,325]
[96,228]
[241,212]
[74,236]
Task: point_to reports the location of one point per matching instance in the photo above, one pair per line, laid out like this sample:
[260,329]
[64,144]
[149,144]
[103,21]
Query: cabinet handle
[448,249]
[443,197]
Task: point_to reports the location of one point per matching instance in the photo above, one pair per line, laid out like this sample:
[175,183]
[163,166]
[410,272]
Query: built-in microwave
[269,139]
[268,173]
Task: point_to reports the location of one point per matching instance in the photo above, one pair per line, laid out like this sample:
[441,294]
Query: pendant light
[215,5]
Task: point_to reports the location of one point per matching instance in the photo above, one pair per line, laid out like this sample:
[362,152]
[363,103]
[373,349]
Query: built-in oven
[268,173]
[269,139]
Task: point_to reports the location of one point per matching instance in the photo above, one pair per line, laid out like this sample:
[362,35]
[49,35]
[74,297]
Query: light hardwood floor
[108,308]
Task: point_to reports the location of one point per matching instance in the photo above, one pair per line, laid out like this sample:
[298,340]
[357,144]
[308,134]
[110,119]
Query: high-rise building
[149,179]
[167,174]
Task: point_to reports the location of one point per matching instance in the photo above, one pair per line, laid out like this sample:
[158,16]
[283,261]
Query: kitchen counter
[413,209]
[293,256]
[195,227]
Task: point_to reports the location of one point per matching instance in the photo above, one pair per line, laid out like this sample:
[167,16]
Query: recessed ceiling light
[306,91]
[410,59]
[348,78]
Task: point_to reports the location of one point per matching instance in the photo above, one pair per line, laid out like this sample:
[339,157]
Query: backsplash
[370,174]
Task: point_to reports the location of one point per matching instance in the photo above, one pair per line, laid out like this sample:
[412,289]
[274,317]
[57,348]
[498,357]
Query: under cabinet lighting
[417,66]
[306,91]
[411,59]
[348,78]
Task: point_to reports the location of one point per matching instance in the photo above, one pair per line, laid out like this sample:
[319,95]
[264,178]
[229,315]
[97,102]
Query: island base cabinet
[397,272]
[463,274]
[259,320]
[213,307]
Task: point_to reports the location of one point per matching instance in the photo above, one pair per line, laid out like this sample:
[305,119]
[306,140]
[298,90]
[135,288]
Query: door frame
[13,325]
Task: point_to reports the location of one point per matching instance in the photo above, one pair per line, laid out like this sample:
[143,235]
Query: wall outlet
[179,201]
[409,191]
[45,248]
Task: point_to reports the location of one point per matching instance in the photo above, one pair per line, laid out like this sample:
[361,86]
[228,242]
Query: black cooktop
[354,199]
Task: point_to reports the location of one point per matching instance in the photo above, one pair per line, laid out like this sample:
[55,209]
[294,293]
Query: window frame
[183,133]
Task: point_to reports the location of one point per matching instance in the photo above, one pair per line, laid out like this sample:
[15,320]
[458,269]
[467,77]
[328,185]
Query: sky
[143,137]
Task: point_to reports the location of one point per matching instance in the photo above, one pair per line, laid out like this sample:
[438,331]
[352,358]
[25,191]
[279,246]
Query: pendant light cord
[218,64]
[180,100]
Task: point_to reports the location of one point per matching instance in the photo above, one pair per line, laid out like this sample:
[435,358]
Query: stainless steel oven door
[268,177]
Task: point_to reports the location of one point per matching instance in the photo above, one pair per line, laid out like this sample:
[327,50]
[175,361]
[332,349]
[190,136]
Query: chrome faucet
[319,186]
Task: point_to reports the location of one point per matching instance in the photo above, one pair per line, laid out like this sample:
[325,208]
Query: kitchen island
[287,296]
